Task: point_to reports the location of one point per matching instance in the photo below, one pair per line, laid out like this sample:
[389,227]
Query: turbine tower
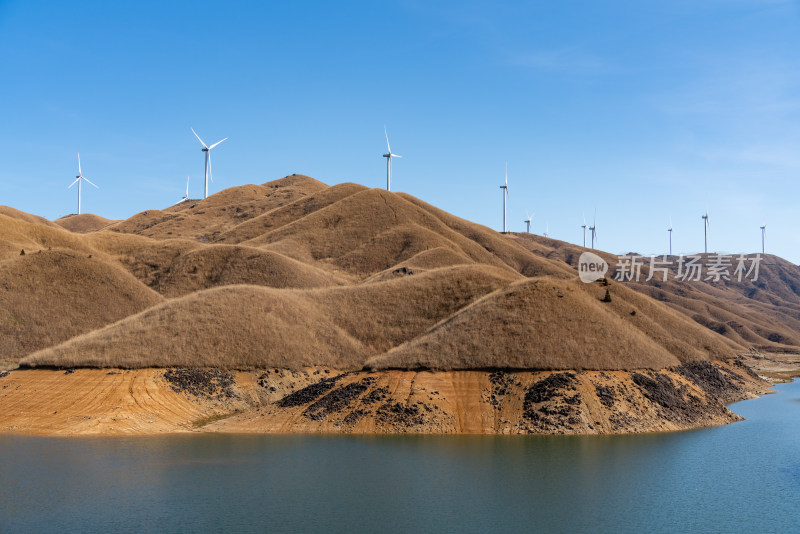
[584,231]
[528,222]
[388,157]
[705,230]
[505,199]
[186,197]
[593,229]
[670,236]
[547,230]
[207,150]
[763,233]
[78,180]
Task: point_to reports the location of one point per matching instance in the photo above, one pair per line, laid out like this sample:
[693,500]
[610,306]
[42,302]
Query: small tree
[22,252]
[607,298]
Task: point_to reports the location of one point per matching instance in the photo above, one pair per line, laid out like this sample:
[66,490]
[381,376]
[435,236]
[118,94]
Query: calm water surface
[743,477]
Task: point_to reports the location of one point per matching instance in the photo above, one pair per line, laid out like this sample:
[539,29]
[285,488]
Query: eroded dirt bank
[102,401]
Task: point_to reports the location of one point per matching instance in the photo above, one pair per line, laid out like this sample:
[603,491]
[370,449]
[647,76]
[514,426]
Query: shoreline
[106,402]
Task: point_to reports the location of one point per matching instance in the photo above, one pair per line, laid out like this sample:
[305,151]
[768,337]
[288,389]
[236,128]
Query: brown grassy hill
[234,326]
[293,273]
[221,265]
[764,314]
[369,230]
[47,297]
[207,218]
[27,217]
[555,324]
[18,234]
[83,223]
[248,326]
[176,267]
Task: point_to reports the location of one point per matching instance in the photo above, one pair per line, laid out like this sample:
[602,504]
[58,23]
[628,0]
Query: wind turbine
[584,231]
[705,229]
[593,229]
[547,230]
[185,198]
[763,232]
[670,236]
[207,150]
[505,198]
[78,180]
[388,157]
[528,222]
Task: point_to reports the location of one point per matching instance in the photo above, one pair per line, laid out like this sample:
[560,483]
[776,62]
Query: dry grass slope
[48,297]
[764,314]
[83,223]
[294,273]
[546,323]
[248,326]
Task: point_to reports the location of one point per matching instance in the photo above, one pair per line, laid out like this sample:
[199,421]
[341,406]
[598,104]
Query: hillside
[83,223]
[763,315]
[294,273]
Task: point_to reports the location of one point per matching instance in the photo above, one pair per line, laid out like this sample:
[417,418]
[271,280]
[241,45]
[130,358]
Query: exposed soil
[325,400]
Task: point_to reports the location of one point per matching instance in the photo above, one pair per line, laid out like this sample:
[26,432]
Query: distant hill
[293,273]
[764,315]
[83,223]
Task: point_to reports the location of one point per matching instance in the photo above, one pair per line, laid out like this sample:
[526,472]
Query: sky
[638,112]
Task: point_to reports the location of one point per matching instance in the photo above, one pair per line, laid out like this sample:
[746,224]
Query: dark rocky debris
[208,383]
[606,395]
[339,399]
[309,393]
[399,414]
[549,406]
[718,382]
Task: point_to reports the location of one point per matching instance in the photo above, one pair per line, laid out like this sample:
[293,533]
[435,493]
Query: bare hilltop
[295,275]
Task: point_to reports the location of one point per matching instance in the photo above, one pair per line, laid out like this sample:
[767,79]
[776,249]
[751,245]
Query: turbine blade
[89,181]
[187,187]
[79,164]
[397,156]
[198,138]
[215,144]
[210,176]
[388,148]
[73,183]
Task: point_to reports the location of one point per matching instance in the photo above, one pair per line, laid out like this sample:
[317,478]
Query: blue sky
[640,110]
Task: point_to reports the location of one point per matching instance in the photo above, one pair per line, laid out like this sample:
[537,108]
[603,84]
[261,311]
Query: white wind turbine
[207,150]
[670,236]
[763,234]
[388,157]
[584,230]
[593,229]
[705,229]
[528,222]
[186,197]
[505,199]
[547,230]
[78,179]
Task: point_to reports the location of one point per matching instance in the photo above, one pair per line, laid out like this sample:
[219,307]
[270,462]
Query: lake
[743,477]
